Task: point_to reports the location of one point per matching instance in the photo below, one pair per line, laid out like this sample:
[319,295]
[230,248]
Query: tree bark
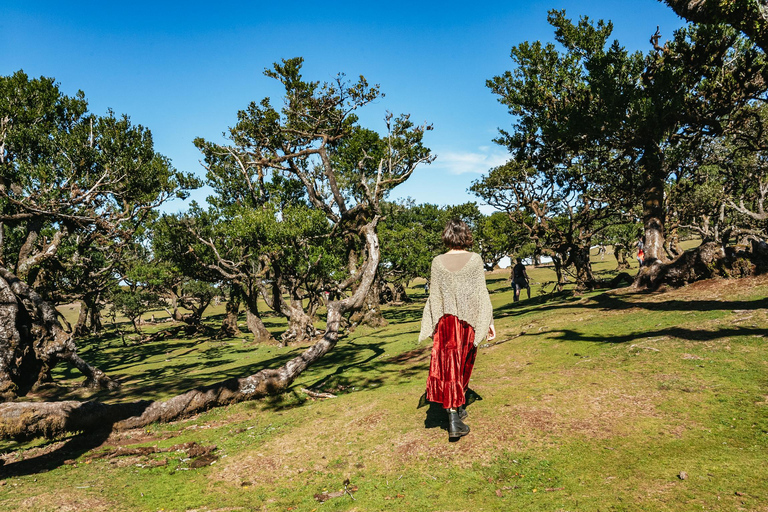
[558,263]
[253,319]
[229,327]
[371,314]
[620,253]
[35,419]
[81,326]
[585,279]
[94,309]
[671,245]
[702,262]
[653,223]
[300,324]
[32,341]
[89,318]
[399,293]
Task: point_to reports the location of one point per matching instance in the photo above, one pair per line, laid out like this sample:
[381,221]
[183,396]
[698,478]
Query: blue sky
[184,69]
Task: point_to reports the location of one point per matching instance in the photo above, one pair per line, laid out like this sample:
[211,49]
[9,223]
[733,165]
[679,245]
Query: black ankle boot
[462,410]
[456,427]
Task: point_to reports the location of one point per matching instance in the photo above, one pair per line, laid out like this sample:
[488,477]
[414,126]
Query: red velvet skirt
[453,357]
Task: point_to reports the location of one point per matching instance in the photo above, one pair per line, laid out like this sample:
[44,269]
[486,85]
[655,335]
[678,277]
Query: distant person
[457,316]
[640,251]
[520,279]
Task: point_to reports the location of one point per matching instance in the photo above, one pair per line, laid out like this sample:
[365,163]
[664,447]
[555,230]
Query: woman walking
[458,315]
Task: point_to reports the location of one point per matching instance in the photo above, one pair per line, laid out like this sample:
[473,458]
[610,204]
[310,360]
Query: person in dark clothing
[520,279]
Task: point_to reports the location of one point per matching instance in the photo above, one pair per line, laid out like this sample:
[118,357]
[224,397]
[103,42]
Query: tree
[722,191]
[596,112]
[226,244]
[623,236]
[67,177]
[181,277]
[561,217]
[298,141]
[748,16]
[411,235]
[410,238]
[497,236]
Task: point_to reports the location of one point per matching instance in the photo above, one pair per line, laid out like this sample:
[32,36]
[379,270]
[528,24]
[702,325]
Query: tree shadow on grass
[76,445]
[73,448]
[673,332]
[544,302]
[370,372]
[610,302]
[403,314]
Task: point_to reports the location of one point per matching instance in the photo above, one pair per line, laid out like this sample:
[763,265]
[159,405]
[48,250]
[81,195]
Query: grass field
[610,402]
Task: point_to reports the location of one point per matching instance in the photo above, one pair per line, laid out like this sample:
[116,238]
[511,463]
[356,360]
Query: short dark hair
[457,235]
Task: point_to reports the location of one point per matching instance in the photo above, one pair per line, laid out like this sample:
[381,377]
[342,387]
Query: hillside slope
[601,402]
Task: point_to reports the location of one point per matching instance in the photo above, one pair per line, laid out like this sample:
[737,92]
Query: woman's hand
[491,333]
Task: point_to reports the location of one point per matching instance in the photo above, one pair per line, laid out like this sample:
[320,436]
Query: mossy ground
[591,402]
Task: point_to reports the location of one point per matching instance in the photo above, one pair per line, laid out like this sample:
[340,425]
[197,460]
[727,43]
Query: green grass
[591,402]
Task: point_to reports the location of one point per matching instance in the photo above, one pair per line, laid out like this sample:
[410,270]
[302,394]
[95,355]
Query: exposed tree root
[703,262]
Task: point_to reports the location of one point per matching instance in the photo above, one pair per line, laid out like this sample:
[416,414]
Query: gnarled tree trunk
[28,420]
[301,326]
[695,264]
[557,260]
[81,326]
[672,245]
[253,319]
[89,318]
[371,314]
[620,253]
[32,341]
[229,327]
[399,294]
[585,279]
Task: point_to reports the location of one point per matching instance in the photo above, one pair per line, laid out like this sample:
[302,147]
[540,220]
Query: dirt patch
[30,453]
[136,436]
[62,500]
[200,455]
[256,469]
[369,421]
[719,288]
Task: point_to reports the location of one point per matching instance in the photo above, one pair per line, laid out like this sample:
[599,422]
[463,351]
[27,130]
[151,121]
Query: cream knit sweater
[462,293]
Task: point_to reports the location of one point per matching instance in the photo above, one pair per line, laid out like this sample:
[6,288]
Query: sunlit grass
[589,402]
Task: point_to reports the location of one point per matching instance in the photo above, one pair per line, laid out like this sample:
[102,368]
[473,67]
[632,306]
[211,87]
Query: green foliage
[721,190]
[73,181]
[134,303]
[296,187]
[497,236]
[410,236]
[747,16]
[599,128]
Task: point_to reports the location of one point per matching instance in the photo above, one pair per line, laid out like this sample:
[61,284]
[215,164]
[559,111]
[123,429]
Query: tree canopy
[68,179]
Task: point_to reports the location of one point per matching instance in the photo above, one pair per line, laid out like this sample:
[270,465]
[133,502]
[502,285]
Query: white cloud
[470,162]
